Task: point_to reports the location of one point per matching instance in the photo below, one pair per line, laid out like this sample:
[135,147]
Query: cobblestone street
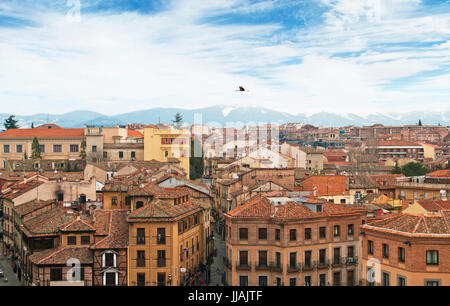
[218,267]
[5,265]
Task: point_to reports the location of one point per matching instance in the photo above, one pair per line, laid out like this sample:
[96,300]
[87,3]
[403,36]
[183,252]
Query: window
[42,148]
[337,256]
[370,246]
[133,154]
[350,252]
[343,201]
[401,254]
[243,280]
[337,231]
[120,154]
[85,239]
[109,259]
[74,148]
[322,256]
[19,148]
[166,153]
[401,281]
[94,149]
[322,280]
[262,280]
[293,235]
[140,259]
[262,258]
[57,148]
[385,251]
[336,278]
[161,258]
[139,204]
[308,262]
[161,236]
[278,259]
[105,154]
[293,260]
[277,234]
[243,233]
[110,278]
[386,279]
[432,283]
[262,233]
[161,279]
[307,233]
[5,148]
[308,280]
[278,281]
[141,279]
[72,240]
[371,272]
[140,236]
[350,229]
[243,258]
[293,281]
[56,274]
[322,232]
[433,257]
[114,201]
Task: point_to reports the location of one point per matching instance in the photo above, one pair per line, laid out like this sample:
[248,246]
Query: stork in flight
[242,89]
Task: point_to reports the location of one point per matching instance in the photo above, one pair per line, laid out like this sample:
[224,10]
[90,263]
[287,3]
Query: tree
[25,156]
[414,169]
[420,122]
[178,120]
[11,123]
[397,169]
[196,163]
[36,150]
[32,125]
[68,168]
[83,149]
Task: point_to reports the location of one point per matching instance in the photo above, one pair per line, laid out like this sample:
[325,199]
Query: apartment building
[407,250]
[285,241]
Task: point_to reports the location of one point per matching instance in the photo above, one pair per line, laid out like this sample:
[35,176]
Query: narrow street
[218,267]
[5,265]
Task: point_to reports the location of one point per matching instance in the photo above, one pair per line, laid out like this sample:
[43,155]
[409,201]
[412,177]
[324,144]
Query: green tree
[83,149]
[36,150]
[420,122]
[32,125]
[11,123]
[196,163]
[397,169]
[68,168]
[178,120]
[414,169]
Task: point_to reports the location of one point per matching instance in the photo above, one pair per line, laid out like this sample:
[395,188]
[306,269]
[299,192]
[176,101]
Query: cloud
[185,54]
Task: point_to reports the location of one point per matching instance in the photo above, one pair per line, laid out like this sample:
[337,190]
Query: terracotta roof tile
[41,133]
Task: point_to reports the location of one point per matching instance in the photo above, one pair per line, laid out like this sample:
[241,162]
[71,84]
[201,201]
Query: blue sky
[297,56]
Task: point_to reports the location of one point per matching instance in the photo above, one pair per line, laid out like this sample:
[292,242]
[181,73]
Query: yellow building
[166,240]
[163,143]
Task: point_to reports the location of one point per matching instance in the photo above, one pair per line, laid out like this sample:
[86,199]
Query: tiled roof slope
[326,185]
[61,255]
[113,224]
[435,225]
[161,210]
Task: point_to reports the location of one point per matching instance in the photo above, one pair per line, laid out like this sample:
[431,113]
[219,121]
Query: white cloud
[119,62]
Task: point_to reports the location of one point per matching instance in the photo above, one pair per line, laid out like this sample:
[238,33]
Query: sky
[296,56]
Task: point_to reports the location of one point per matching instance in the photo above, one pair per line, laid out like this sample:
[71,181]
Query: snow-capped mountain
[236,116]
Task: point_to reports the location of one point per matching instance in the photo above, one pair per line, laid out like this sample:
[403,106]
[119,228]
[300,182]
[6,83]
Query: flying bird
[241,89]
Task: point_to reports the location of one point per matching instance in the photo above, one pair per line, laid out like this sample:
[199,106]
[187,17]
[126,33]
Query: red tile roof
[20,188]
[261,207]
[411,225]
[327,185]
[441,173]
[114,226]
[435,205]
[135,134]
[159,210]
[61,255]
[42,133]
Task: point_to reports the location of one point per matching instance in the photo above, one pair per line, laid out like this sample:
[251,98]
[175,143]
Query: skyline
[293,56]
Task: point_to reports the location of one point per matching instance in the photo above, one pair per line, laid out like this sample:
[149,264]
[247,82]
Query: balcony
[337,262]
[262,266]
[243,266]
[291,268]
[308,266]
[349,261]
[323,264]
[276,267]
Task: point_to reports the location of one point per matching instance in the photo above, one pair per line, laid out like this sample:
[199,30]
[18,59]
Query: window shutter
[104,277]
[115,261]
[103,260]
[117,278]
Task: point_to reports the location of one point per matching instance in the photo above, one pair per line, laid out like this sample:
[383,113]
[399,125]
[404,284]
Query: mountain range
[235,116]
